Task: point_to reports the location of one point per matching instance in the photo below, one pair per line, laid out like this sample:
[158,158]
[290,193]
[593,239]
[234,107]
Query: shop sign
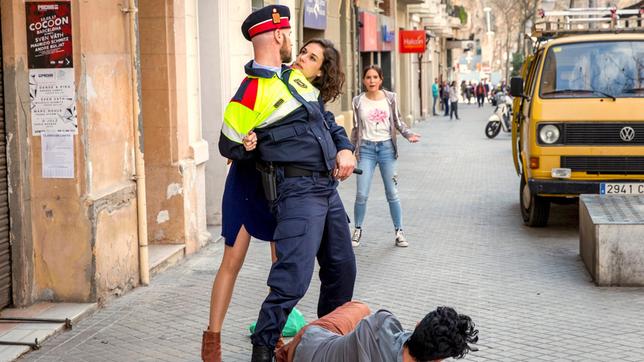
[387,35]
[412,41]
[368,32]
[315,14]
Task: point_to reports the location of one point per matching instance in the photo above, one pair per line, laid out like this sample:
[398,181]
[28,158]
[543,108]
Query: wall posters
[52,88]
[57,155]
[49,34]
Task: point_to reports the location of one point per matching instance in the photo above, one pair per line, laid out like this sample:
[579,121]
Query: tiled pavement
[527,289]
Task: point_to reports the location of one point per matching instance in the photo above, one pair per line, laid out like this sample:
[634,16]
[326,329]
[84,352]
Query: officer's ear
[278,36]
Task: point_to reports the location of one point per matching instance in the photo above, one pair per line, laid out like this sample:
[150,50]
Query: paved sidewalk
[526,289]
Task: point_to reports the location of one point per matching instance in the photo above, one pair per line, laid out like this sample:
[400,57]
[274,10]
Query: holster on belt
[269,179]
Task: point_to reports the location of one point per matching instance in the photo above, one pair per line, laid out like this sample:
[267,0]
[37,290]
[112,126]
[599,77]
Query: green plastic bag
[294,323]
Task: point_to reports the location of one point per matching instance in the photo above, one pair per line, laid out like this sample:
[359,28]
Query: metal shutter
[5,246]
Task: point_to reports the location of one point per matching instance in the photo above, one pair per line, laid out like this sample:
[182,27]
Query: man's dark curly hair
[332,79]
[443,333]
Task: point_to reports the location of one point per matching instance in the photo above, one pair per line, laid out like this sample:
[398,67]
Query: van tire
[537,211]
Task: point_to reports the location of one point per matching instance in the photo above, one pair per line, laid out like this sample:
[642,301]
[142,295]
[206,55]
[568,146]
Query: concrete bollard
[611,238]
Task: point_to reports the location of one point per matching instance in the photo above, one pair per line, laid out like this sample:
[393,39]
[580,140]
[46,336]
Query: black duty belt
[292,171]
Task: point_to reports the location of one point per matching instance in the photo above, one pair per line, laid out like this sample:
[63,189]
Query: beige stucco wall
[223,53]
[175,153]
[66,247]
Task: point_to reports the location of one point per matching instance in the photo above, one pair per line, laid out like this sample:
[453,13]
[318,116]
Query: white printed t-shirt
[375,116]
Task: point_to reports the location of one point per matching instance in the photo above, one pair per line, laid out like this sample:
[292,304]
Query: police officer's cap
[266,19]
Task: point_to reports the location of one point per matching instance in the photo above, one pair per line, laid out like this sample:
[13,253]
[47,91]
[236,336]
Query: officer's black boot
[262,354]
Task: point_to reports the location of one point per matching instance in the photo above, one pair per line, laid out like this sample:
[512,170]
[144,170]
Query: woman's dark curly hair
[332,79]
[443,333]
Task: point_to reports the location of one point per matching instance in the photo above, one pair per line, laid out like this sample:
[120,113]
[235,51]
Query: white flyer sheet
[57,155]
[53,101]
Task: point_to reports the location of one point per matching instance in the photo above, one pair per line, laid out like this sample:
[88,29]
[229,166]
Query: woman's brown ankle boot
[211,346]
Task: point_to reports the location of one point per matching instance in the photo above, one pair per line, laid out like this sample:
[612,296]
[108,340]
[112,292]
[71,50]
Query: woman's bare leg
[273,252]
[222,287]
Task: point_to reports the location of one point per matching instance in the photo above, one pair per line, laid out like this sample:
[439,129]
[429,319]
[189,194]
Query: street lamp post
[488,21]
[489,32]
[527,46]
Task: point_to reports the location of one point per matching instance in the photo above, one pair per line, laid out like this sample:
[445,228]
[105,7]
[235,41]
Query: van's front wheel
[534,209]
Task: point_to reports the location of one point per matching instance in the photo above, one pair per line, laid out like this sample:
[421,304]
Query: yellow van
[578,122]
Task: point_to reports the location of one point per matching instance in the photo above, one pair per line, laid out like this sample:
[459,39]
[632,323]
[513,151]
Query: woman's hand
[415,137]
[250,141]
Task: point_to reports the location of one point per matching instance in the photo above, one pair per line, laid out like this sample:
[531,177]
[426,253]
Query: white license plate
[612,188]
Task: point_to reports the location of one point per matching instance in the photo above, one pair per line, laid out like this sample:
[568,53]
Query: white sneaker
[401,241]
[355,239]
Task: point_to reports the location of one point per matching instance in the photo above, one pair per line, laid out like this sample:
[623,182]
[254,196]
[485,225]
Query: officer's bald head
[272,44]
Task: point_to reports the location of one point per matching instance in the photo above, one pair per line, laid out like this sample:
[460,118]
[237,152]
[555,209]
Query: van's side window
[532,74]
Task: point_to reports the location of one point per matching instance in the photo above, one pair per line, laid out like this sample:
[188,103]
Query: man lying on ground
[350,333]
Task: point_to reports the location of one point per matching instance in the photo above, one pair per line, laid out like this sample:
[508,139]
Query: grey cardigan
[394,118]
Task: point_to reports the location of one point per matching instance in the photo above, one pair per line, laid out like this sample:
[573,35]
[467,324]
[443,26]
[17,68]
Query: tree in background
[517,61]
[513,16]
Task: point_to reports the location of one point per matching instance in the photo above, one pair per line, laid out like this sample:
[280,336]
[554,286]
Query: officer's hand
[345,162]
[250,141]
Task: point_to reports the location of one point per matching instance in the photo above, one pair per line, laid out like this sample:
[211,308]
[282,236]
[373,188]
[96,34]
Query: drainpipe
[137,125]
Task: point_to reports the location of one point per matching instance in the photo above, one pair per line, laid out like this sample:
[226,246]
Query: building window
[257,4]
[384,7]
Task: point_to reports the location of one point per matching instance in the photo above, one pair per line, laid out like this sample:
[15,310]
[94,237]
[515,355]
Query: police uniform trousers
[311,222]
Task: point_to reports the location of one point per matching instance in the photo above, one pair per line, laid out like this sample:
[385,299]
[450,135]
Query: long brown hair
[332,79]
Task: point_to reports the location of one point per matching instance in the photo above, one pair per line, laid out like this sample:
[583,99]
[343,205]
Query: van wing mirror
[516,87]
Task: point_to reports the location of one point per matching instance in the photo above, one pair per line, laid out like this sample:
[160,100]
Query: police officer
[309,152]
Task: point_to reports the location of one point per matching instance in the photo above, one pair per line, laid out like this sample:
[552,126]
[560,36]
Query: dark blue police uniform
[311,219]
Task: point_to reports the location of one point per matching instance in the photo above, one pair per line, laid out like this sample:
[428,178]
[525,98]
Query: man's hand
[345,162]
[250,141]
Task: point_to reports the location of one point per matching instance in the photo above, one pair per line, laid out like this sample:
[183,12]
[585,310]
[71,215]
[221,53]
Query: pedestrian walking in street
[303,153]
[315,65]
[375,120]
[480,94]
[351,333]
[453,100]
[463,90]
[470,92]
[435,95]
[445,96]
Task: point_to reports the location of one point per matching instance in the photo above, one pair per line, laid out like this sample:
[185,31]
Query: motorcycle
[502,116]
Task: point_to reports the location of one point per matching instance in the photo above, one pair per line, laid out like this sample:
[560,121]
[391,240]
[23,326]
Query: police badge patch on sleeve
[300,83]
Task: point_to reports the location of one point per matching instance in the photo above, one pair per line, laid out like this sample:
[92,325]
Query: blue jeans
[382,154]
[434,105]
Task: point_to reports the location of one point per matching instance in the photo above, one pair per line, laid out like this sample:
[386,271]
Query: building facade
[136,156]
[148,85]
